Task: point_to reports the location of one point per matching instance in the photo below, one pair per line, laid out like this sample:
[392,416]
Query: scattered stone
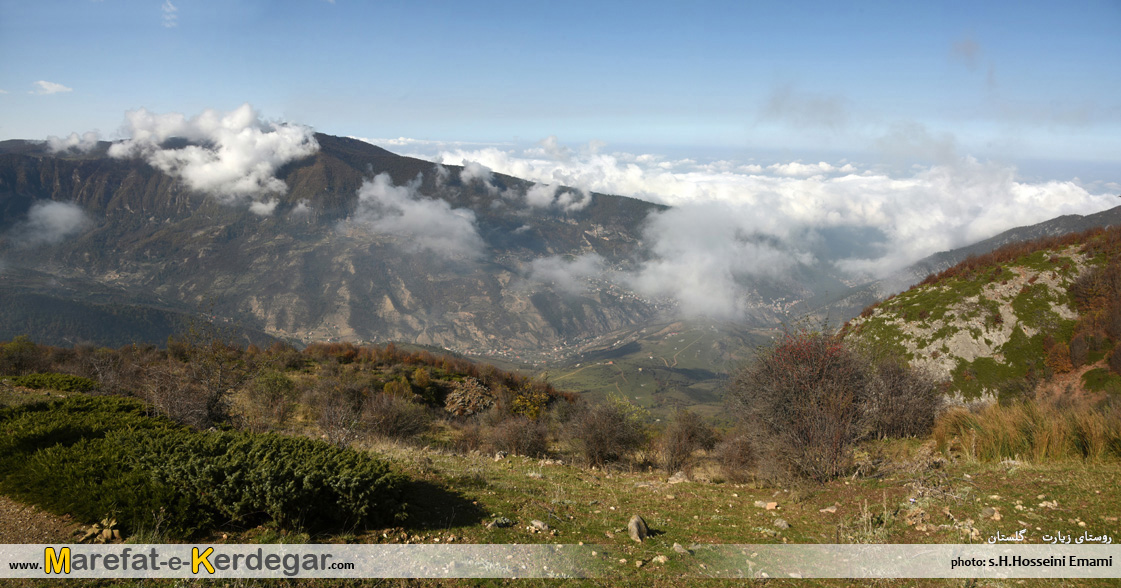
[678,478]
[103,532]
[539,525]
[988,512]
[501,455]
[1049,504]
[670,497]
[660,559]
[1082,524]
[771,506]
[782,524]
[638,563]
[637,529]
[680,548]
[609,534]
[535,475]
[503,522]
[829,509]
[760,504]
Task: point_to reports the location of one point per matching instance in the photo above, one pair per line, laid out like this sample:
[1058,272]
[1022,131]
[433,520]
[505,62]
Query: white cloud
[3,91]
[421,223]
[301,210]
[948,202]
[46,87]
[705,256]
[50,223]
[473,171]
[263,208]
[170,14]
[547,196]
[232,156]
[83,142]
[569,275]
[797,168]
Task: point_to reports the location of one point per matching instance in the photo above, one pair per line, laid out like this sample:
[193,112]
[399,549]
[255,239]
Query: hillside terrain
[1001,323]
[838,307]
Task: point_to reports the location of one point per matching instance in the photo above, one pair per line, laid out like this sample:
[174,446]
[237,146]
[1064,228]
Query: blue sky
[1010,81]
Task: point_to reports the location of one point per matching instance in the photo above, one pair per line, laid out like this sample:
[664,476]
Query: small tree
[272,397]
[394,417]
[803,400]
[901,401]
[685,434]
[608,431]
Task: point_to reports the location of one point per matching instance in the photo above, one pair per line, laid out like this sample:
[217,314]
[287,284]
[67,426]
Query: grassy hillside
[420,422]
[1001,323]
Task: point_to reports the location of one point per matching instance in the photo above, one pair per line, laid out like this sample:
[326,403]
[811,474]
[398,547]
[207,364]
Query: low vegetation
[99,456]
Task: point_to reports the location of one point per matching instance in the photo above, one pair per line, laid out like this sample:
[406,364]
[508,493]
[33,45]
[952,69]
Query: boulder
[637,529]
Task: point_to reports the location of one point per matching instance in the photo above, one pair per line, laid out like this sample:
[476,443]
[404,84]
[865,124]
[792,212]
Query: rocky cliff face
[327,260]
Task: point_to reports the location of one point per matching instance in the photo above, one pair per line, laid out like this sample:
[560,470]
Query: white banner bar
[555,561]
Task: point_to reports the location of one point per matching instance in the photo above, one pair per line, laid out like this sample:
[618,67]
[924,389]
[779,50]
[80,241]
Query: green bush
[52,381]
[92,456]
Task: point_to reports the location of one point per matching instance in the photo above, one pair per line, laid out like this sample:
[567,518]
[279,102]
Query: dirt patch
[21,523]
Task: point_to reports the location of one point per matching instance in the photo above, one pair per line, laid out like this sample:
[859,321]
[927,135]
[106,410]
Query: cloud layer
[232,156]
[422,223]
[733,222]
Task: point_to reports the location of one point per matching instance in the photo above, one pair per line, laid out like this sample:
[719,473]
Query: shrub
[1079,350]
[901,402]
[93,456]
[21,356]
[394,417]
[685,434]
[608,431]
[1115,360]
[520,436]
[803,398]
[737,459]
[530,401]
[52,381]
[271,398]
[468,397]
[1058,358]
